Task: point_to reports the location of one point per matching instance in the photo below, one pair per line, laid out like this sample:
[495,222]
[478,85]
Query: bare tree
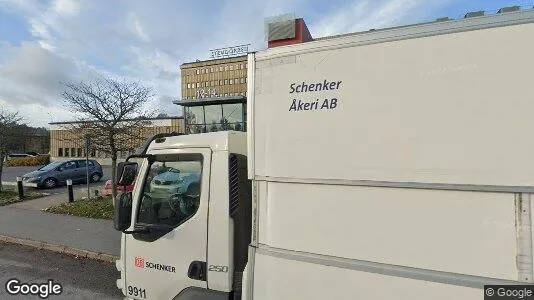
[9,122]
[110,113]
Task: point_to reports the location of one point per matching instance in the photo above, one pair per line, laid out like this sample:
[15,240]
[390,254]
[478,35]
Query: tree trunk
[1,168]
[113,175]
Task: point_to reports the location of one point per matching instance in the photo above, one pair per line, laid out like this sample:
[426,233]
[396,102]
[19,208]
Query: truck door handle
[197,270]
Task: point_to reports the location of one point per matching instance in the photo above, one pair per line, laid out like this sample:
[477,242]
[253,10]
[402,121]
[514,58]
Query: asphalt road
[79,278]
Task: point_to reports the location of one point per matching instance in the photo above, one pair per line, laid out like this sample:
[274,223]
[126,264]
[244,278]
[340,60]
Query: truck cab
[187,221]
[390,164]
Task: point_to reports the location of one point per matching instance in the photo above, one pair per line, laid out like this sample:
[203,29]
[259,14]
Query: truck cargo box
[394,162]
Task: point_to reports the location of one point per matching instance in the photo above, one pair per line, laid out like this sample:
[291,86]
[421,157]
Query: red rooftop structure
[287,32]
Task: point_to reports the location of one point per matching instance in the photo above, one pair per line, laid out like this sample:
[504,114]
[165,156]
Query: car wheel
[95,177]
[50,183]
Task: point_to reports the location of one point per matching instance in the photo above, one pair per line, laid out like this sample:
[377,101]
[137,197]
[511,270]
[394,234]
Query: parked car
[172,181]
[120,189]
[18,155]
[58,172]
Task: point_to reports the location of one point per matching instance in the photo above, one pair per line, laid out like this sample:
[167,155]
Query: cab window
[171,191]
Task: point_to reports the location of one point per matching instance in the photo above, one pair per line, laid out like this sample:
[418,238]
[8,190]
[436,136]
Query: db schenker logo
[139,262]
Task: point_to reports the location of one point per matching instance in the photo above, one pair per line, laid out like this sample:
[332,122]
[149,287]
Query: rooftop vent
[280,27]
[509,9]
[474,14]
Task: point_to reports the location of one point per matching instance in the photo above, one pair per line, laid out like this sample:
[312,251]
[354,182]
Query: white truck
[388,164]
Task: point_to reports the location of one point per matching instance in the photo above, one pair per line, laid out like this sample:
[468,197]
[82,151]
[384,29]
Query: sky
[46,42]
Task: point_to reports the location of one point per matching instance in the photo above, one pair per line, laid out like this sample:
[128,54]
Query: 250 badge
[214,268]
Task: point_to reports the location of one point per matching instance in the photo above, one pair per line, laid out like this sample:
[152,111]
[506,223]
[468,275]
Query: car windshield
[50,166]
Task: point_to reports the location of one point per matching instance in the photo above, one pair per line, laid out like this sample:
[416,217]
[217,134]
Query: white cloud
[137,28]
[66,7]
[40,30]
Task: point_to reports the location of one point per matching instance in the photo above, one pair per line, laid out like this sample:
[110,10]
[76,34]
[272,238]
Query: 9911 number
[136,292]
[214,268]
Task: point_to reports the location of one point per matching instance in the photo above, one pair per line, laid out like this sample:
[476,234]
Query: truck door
[171,207]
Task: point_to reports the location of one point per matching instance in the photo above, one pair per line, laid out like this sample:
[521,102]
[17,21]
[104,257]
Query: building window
[202,71]
[215,118]
[194,119]
[226,95]
[212,70]
[195,115]
[225,68]
[231,68]
[189,85]
[233,113]
[220,82]
[231,81]
[198,71]
[225,81]
[220,69]
[66,152]
[213,114]
[73,152]
[242,80]
[198,84]
[60,152]
[79,152]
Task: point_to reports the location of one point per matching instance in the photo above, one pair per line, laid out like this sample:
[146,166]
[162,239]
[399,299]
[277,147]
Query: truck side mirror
[126,172]
[123,212]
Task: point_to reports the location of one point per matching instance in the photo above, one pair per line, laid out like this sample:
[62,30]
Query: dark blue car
[58,172]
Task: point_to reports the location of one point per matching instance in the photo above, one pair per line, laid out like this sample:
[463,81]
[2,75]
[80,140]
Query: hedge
[29,161]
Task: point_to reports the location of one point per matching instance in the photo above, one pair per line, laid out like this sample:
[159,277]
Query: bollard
[69,187]
[20,188]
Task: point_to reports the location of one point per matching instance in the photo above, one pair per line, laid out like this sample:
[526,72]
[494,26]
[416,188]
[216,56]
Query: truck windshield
[171,190]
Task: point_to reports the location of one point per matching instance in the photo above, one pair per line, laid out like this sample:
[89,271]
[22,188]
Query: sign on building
[229,51]
[202,93]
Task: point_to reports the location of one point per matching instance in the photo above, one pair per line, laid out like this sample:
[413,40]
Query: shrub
[29,161]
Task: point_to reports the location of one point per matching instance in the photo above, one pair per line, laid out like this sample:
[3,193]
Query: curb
[60,249]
